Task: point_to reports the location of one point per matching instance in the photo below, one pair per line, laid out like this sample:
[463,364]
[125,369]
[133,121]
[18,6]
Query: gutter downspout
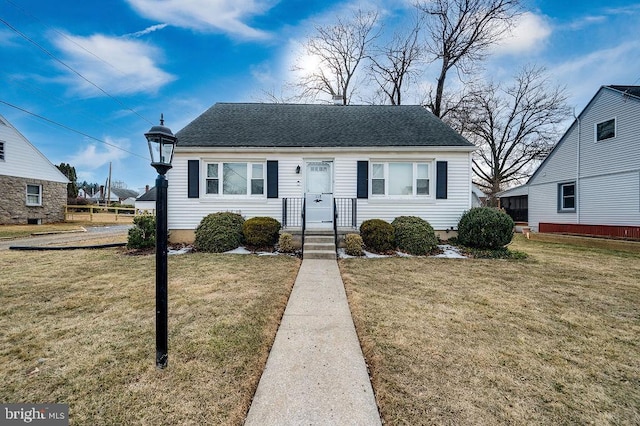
[578,169]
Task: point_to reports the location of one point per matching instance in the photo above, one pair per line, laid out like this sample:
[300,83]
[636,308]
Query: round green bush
[219,232]
[353,245]
[485,228]
[143,234]
[261,231]
[377,235]
[414,235]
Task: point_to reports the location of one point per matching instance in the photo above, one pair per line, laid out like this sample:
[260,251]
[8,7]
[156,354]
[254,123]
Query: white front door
[319,194]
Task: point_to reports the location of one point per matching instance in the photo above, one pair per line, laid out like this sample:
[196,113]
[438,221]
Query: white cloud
[92,156]
[586,21]
[206,15]
[8,38]
[147,30]
[585,74]
[117,65]
[529,33]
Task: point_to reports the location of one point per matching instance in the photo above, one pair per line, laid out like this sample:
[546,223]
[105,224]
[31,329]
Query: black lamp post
[161,144]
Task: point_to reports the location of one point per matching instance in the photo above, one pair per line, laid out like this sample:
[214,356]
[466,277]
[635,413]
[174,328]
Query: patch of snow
[183,250]
[239,250]
[450,252]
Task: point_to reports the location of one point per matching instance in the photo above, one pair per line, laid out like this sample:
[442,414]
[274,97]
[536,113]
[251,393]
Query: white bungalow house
[319,167]
[146,203]
[590,182]
[32,189]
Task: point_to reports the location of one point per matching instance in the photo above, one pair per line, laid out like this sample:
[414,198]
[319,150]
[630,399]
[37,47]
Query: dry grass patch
[548,340]
[79,328]
[19,231]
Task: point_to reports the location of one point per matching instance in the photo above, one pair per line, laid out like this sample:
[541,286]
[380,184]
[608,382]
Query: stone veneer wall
[13,201]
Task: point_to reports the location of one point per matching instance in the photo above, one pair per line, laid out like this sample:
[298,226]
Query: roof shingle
[298,125]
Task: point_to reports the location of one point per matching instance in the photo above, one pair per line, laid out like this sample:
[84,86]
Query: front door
[319,194]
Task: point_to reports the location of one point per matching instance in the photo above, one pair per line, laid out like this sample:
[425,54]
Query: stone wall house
[32,189]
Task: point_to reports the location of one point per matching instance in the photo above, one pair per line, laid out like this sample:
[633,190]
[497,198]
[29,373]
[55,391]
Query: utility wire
[52,56]
[70,128]
[61,34]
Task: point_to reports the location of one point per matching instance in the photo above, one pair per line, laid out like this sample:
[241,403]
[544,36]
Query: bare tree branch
[459,34]
[340,49]
[513,126]
[393,64]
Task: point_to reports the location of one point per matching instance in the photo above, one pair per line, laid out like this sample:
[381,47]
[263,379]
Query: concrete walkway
[315,373]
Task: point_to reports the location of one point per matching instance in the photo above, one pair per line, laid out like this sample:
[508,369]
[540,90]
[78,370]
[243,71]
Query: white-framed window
[34,195]
[567,197]
[1,150]
[606,130]
[401,179]
[235,178]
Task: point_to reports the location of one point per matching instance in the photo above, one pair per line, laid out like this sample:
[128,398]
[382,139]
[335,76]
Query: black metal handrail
[335,224]
[304,222]
[346,211]
[291,212]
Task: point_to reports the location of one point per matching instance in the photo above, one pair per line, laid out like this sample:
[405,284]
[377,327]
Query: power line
[48,120]
[52,56]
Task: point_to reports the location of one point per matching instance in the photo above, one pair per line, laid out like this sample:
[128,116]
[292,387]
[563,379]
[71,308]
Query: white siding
[186,213]
[22,159]
[608,180]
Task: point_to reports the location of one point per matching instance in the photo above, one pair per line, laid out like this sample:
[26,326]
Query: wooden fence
[102,214]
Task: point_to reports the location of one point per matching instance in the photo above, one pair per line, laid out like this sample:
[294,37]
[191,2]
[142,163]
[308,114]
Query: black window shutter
[193,179]
[272,179]
[363,179]
[441,180]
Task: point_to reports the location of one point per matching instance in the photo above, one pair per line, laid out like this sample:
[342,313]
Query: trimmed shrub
[377,235]
[143,234]
[414,235]
[353,245]
[261,231]
[219,232]
[485,228]
[286,244]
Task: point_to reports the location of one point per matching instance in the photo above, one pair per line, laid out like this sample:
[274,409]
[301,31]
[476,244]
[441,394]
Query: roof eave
[193,149]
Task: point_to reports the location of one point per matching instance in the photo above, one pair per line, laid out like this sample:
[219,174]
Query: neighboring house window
[606,130]
[34,195]
[401,179]
[235,178]
[1,151]
[567,197]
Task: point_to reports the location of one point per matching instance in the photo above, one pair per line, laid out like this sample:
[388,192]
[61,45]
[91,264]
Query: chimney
[146,188]
[102,192]
[337,99]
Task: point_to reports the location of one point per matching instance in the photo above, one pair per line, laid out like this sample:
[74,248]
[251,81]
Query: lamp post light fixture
[161,144]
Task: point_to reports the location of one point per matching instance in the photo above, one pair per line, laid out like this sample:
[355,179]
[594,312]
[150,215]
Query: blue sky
[180,57]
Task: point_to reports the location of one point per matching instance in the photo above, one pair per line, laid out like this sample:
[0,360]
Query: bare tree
[513,126]
[459,34]
[394,63]
[340,49]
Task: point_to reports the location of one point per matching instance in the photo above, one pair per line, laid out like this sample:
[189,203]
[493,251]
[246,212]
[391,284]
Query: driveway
[65,238]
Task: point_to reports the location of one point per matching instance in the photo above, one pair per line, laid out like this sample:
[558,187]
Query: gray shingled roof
[296,125]
[631,90]
[150,195]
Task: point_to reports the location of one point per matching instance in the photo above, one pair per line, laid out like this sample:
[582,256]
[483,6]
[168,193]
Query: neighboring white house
[116,195]
[146,203]
[277,160]
[590,182]
[32,189]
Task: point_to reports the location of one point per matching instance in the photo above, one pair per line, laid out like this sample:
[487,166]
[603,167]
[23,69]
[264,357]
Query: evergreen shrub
[219,232]
[353,245]
[485,228]
[261,231]
[414,235]
[143,233]
[377,235]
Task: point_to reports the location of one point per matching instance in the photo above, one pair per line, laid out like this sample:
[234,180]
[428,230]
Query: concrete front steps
[319,245]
